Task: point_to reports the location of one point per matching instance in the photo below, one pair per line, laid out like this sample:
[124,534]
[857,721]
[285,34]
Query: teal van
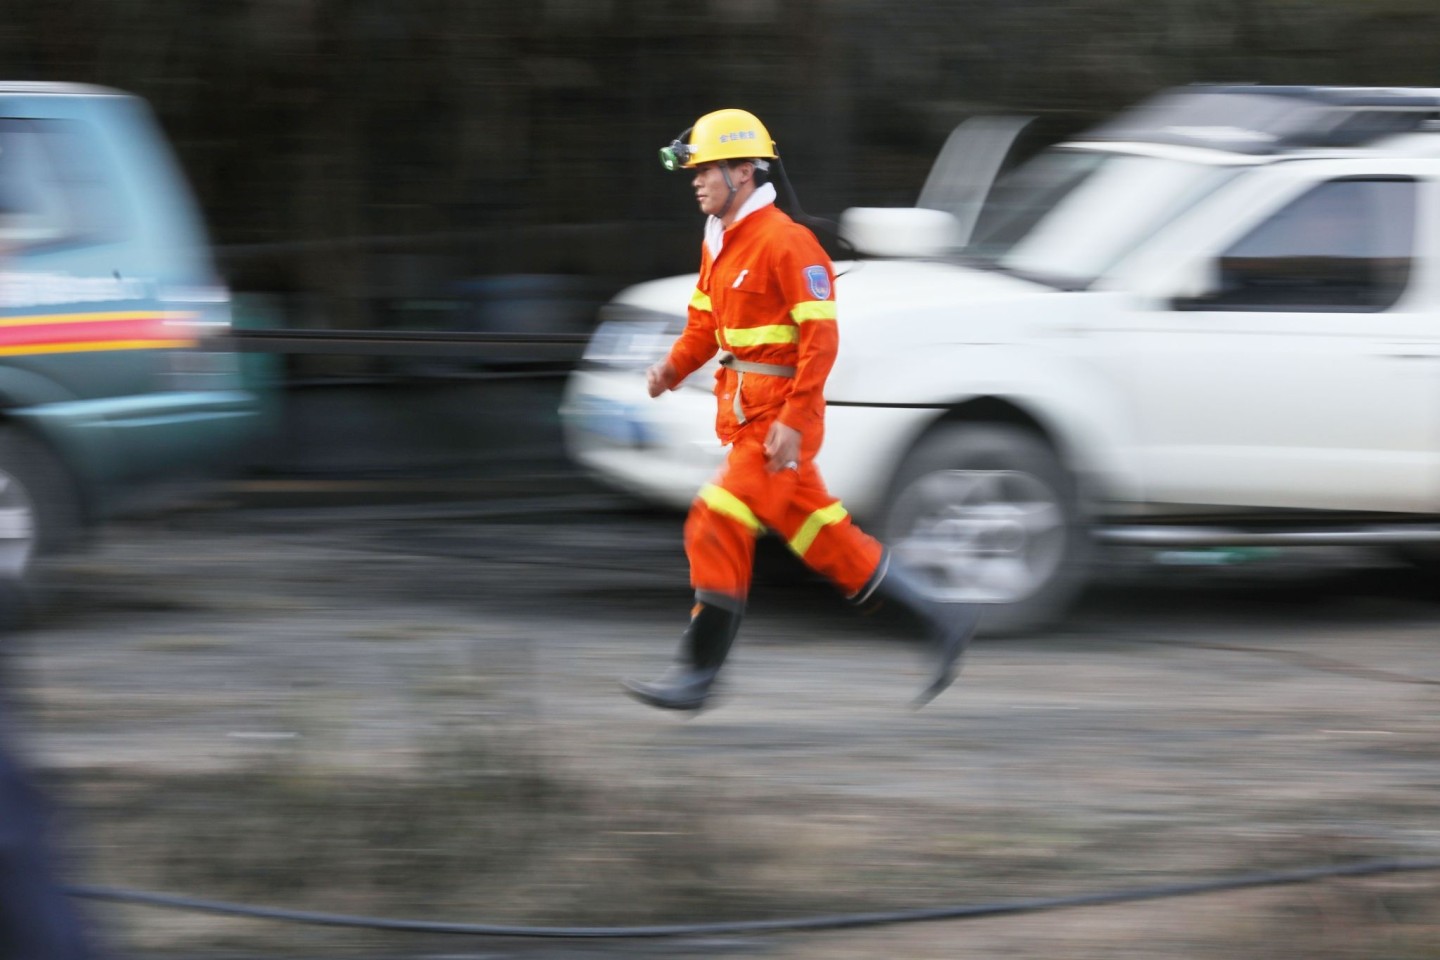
[115,374]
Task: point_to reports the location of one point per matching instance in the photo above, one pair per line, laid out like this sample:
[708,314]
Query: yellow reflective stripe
[813,310]
[817,521]
[94,346]
[756,336]
[699,300]
[726,504]
[116,315]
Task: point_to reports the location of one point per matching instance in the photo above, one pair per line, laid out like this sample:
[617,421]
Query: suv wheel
[986,514]
[38,512]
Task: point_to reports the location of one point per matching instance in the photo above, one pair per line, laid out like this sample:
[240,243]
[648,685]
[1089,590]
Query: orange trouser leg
[795,504]
[720,535]
[819,530]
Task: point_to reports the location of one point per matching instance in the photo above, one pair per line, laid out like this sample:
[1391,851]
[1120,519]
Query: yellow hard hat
[722,135]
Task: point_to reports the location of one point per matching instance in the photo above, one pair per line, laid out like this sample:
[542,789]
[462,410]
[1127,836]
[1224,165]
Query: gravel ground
[411,709]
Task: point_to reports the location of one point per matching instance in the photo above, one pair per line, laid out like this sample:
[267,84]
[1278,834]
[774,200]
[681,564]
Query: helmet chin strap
[729,185]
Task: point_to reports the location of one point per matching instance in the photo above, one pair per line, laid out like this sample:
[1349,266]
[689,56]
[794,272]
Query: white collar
[763,196]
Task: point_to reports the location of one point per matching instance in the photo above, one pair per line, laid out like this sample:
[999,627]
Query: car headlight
[627,341]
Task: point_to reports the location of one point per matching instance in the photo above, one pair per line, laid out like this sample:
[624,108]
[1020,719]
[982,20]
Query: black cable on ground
[1363,868]
[1302,658]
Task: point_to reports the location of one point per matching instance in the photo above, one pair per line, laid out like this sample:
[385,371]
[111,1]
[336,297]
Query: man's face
[710,189]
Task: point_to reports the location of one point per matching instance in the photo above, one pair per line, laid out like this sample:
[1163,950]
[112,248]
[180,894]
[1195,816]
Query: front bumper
[660,450]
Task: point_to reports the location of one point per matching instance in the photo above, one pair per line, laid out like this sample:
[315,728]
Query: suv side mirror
[901,231]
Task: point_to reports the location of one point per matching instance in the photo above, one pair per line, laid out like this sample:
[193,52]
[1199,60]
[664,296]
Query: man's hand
[782,448]
[660,377]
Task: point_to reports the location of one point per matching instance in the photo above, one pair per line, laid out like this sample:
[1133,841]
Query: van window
[1344,245]
[53,188]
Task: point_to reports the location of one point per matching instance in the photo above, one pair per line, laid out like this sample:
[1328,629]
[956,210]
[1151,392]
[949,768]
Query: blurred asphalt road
[334,620]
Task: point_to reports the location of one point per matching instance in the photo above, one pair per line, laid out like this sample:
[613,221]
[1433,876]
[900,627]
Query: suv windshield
[1070,214]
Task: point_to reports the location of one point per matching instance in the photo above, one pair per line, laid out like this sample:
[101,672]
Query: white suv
[1214,320]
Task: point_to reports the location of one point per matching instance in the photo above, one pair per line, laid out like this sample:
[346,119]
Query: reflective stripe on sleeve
[700,300]
[817,521]
[756,336]
[813,310]
[726,504]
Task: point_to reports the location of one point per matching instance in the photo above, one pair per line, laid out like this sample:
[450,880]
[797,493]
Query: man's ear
[744,171]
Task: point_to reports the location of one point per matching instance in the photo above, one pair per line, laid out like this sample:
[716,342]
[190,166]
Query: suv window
[52,186]
[1345,245]
[1055,219]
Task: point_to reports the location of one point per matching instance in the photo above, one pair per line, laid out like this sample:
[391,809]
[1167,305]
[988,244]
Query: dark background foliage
[362,150]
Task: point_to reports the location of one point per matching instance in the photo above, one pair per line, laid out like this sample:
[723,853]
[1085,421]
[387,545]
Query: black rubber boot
[949,626]
[686,685]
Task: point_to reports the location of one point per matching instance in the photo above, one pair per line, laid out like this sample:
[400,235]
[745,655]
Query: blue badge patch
[818,280]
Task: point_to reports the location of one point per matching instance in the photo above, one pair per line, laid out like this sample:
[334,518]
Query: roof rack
[1254,119]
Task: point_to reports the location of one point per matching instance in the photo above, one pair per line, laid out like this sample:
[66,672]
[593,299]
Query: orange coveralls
[768,298]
